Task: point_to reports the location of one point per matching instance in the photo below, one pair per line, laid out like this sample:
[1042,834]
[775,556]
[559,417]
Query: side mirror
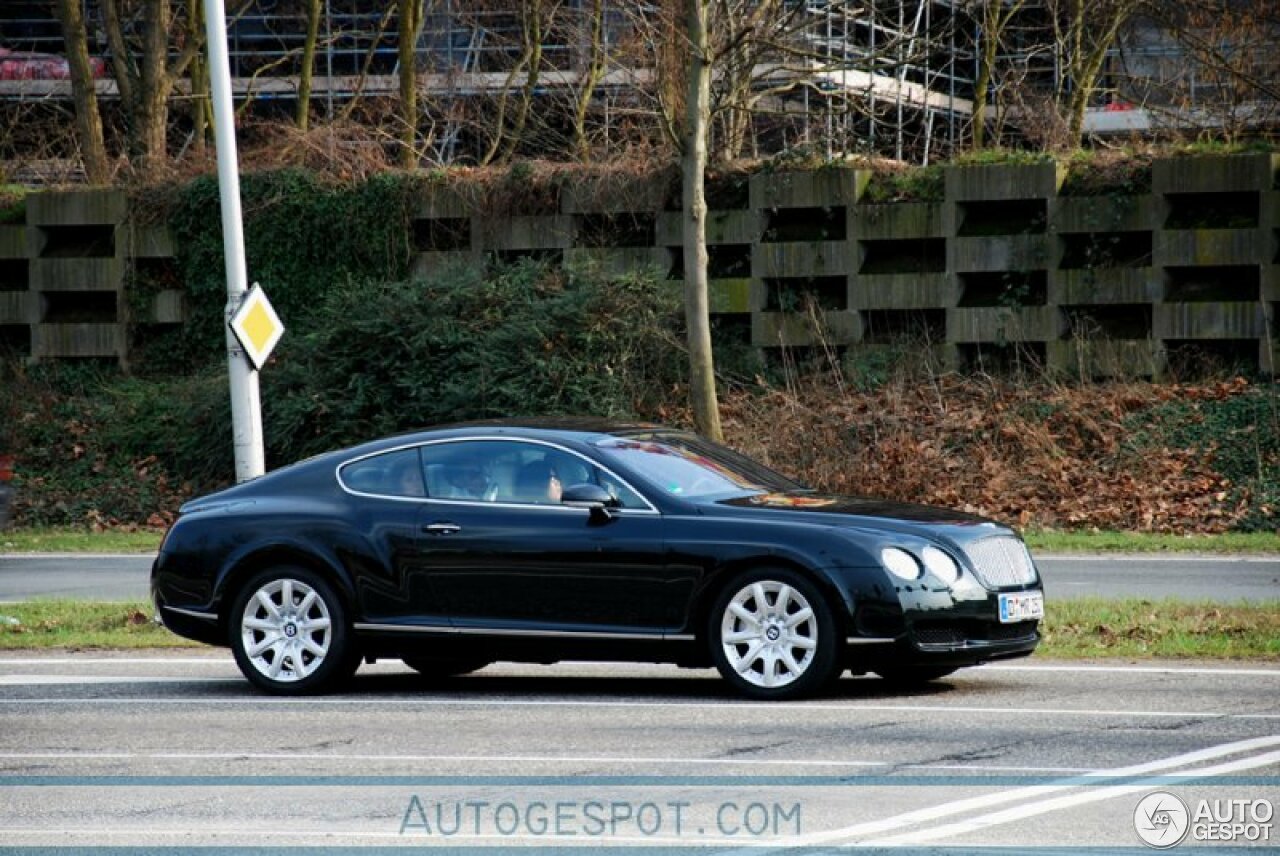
[592,497]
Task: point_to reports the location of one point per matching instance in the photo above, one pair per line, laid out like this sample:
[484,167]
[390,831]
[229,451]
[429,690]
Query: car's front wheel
[772,635]
[289,634]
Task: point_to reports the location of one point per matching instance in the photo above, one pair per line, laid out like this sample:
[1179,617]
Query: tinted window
[687,465]
[392,474]
[512,471]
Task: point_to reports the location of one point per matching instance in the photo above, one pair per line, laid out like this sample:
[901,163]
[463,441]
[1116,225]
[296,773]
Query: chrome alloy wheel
[286,630]
[769,634]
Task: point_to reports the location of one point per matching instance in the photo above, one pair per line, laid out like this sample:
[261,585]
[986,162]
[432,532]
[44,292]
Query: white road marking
[1006,797]
[1147,557]
[45,680]
[1010,815]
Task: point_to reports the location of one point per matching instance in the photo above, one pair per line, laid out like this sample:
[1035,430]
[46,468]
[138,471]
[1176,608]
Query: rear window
[391,474]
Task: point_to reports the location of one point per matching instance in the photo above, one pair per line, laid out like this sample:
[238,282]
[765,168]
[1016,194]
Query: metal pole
[246,410]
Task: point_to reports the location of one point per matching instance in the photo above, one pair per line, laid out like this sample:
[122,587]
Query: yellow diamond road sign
[257,326]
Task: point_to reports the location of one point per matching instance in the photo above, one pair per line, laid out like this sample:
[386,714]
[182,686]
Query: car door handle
[442,529]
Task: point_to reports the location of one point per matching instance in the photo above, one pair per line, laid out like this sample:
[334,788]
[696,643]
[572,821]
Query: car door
[503,558]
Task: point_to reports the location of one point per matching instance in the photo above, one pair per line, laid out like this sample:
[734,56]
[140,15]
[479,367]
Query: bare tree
[149,56]
[597,62]
[88,120]
[693,167]
[410,23]
[1085,31]
[993,17]
[1227,73]
[306,72]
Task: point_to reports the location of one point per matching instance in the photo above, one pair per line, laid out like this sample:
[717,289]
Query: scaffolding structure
[886,77]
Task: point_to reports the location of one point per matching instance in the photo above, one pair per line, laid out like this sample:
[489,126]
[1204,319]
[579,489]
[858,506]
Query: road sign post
[246,409]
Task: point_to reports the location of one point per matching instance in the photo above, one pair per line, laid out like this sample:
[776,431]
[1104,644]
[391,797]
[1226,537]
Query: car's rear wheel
[772,635]
[444,667]
[910,676]
[289,632]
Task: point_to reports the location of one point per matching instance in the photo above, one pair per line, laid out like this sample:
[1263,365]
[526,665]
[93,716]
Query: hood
[835,510]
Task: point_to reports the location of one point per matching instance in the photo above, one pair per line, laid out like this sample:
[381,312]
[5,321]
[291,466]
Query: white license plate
[1026,606]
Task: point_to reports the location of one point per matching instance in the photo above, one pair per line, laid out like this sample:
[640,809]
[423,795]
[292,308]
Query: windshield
[686,465]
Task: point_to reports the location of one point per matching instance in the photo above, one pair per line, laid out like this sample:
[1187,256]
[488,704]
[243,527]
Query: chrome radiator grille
[1001,562]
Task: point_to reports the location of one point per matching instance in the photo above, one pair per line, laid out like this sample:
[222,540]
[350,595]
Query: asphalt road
[1212,578]
[177,751]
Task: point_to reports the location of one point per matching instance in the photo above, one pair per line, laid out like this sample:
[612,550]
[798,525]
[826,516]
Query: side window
[393,474]
[511,471]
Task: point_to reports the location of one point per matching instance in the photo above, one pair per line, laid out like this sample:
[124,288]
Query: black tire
[435,668]
[299,670]
[914,676]
[816,672]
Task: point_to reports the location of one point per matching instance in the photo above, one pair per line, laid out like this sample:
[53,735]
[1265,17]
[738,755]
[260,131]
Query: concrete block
[1106,358]
[903,291]
[1215,173]
[730,295]
[999,324]
[76,340]
[17,307]
[1101,286]
[76,274]
[145,242]
[13,242]
[1004,181]
[897,221]
[816,258]
[169,307]
[76,207]
[1000,253]
[524,233]
[1209,320]
[818,188]
[1189,247]
[723,227]
[782,329]
[620,261]
[1104,214]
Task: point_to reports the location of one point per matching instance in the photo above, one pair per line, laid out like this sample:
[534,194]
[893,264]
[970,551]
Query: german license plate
[1024,606]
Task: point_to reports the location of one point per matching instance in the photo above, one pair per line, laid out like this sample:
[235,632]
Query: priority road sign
[256,326]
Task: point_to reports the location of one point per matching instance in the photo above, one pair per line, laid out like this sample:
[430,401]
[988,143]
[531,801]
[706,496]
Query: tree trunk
[410,13]
[693,165]
[88,119]
[594,74]
[201,105]
[152,120]
[314,8]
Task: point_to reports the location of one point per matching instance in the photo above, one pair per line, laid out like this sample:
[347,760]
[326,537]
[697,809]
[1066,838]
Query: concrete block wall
[1096,285]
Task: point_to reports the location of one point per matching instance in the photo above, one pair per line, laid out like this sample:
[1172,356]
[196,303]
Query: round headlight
[940,565]
[900,563]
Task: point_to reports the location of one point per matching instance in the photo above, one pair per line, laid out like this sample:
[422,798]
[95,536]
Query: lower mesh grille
[1001,562]
[959,632]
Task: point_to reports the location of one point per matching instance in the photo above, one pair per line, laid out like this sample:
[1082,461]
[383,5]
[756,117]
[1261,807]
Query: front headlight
[900,563]
[941,565]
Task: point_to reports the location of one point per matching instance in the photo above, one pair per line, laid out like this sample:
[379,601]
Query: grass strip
[1231,543]
[1073,629]
[1136,628]
[77,624]
[67,540]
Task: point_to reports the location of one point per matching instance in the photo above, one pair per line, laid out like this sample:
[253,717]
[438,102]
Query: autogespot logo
[1161,819]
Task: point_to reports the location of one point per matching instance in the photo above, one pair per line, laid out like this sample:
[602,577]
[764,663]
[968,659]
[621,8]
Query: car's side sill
[505,631]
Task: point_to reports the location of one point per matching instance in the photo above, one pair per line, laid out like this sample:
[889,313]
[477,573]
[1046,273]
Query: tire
[772,635]
[914,676]
[434,668]
[288,631]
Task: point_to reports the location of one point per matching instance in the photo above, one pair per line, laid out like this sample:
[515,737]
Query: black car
[542,541]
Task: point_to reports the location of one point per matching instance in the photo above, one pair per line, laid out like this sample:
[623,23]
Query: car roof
[580,428]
